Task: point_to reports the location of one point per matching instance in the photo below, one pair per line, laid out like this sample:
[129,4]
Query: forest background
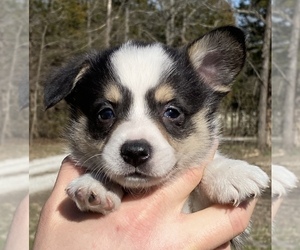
[60,30]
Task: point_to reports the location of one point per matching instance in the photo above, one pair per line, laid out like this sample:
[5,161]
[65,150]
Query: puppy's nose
[136,152]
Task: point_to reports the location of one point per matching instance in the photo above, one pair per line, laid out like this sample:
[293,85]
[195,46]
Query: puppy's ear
[218,56]
[63,81]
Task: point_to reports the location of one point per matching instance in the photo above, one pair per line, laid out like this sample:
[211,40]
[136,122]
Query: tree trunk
[170,26]
[127,18]
[88,24]
[183,29]
[7,96]
[34,103]
[264,88]
[108,23]
[2,80]
[289,102]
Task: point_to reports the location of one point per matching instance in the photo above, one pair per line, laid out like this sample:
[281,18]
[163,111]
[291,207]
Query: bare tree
[108,23]
[170,26]
[289,101]
[10,87]
[127,18]
[88,24]
[34,96]
[263,133]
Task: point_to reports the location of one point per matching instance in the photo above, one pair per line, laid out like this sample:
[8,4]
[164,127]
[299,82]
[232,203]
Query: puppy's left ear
[62,82]
[218,56]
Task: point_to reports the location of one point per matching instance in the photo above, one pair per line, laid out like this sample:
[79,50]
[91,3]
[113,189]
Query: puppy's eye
[106,114]
[172,113]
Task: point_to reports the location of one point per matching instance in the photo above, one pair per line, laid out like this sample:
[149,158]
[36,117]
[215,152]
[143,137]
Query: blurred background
[285,79]
[256,127]
[14,111]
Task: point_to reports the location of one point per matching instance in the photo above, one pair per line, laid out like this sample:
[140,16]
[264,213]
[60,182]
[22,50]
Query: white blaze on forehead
[140,68]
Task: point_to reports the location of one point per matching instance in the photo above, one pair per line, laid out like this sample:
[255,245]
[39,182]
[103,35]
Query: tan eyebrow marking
[112,93]
[164,93]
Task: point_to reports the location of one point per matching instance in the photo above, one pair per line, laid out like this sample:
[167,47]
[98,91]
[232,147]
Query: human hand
[152,221]
[18,236]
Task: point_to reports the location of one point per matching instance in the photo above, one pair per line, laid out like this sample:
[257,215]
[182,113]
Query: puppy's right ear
[61,83]
[218,56]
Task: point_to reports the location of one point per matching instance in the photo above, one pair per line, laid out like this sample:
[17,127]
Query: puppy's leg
[91,194]
[227,181]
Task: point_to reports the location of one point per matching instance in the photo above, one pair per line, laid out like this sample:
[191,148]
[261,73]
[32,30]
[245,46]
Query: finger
[219,222]
[180,187]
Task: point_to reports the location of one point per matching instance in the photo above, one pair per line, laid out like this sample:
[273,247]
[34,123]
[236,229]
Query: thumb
[180,187]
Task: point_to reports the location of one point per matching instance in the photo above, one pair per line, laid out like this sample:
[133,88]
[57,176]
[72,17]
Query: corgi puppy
[142,112]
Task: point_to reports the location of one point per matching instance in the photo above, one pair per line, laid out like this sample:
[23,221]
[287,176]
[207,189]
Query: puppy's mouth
[137,175]
[138,179]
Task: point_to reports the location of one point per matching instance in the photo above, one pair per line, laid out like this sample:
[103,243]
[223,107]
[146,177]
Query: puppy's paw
[283,181]
[228,181]
[90,194]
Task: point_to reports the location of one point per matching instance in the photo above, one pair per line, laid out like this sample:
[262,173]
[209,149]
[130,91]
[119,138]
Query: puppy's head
[142,111]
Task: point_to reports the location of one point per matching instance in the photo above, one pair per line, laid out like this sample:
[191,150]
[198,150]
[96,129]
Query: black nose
[136,152]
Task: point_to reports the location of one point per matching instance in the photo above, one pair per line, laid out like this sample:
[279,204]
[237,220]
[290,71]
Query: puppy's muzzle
[136,152]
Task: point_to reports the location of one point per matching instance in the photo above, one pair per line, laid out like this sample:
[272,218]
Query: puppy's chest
[196,201]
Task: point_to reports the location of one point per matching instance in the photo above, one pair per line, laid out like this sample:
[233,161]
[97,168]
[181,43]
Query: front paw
[283,181]
[228,181]
[90,194]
